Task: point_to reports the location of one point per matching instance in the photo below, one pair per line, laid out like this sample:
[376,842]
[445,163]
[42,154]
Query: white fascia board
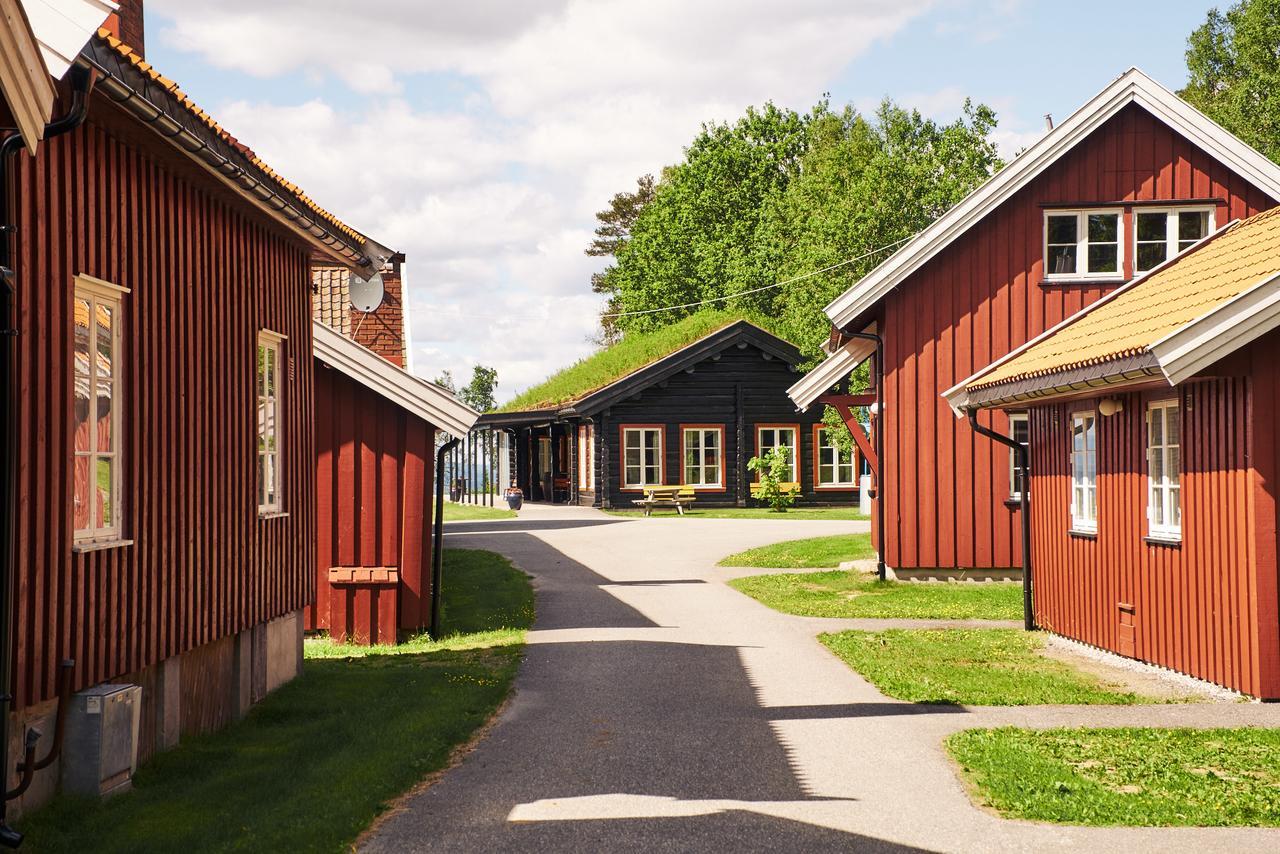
[63,27]
[426,400]
[24,80]
[1132,87]
[830,371]
[1236,323]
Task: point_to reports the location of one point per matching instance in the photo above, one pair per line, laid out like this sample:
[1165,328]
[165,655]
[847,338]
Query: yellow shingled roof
[128,53]
[1138,316]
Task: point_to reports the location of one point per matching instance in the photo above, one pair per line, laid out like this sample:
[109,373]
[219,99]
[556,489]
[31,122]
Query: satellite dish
[366,294]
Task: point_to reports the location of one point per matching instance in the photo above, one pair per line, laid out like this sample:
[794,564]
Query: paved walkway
[660,710]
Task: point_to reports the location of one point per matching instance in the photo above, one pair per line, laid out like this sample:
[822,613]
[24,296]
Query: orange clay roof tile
[128,53]
[1230,263]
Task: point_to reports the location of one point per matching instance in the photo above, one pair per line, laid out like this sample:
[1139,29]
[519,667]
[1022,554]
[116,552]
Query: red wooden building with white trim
[1065,223]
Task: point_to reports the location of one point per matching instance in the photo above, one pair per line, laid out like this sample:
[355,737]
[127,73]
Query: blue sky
[480,138]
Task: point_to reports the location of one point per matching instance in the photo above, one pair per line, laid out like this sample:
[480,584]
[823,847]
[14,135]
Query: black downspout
[81,80]
[1024,462]
[437,556]
[878,494]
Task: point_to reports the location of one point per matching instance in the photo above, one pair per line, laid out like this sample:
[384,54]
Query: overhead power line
[793,280]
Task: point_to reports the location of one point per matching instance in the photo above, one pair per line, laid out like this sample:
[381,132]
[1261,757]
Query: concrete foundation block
[168,703]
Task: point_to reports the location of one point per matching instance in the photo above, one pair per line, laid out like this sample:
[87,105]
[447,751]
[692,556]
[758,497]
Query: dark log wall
[740,386]
[945,487]
[375,478]
[1207,606]
[206,273]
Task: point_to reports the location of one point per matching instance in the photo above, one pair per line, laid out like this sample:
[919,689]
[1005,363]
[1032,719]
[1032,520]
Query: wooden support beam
[844,404]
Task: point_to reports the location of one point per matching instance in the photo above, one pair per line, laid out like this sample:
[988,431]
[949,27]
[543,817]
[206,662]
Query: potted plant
[514,496]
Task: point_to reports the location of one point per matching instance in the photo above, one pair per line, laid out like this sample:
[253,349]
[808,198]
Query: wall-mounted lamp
[1110,405]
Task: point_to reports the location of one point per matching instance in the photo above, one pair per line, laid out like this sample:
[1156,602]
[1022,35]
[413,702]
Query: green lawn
[320,758]
[978,667]
[1137,776]
[474,512]
[805,554]
[825,514]
[852,594]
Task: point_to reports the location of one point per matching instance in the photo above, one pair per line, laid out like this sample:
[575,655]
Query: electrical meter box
[100,748]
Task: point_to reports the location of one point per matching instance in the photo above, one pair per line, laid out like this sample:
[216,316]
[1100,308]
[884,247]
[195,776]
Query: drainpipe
[878,494]
[1024,462]
[437,556]
[81,80]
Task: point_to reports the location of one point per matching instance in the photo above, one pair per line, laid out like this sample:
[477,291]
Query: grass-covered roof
[629,355]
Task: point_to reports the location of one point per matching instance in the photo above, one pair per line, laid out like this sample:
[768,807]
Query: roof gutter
[362,258]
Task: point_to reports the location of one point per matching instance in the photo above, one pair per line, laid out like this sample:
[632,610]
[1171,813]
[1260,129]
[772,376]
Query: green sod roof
[629,355]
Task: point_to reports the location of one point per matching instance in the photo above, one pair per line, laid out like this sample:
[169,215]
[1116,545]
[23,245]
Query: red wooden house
[163,504]
[1155,462]
[1133,177]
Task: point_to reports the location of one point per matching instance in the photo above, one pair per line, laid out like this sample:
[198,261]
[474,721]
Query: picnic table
[678,497]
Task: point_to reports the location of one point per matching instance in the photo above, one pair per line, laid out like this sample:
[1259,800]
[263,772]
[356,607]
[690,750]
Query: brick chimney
[381,330]
[126,25]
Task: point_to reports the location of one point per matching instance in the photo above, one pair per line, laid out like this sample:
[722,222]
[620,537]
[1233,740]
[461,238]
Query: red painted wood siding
[375,473]
[981,297]
[1206,607]
[206,273]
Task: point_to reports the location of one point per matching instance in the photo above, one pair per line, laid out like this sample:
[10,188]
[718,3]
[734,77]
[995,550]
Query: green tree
[445,381]
[612,232]
[479,393]
[772,467]
[1233,72]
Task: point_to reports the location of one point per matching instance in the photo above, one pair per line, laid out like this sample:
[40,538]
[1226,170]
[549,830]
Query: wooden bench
[786,487]
[678,497]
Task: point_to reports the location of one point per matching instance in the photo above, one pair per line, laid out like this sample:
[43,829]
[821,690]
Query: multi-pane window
[768,438]
[1084,472]
[1164,463]
[1020,432]
[704,456]
[1161,234]
[641,457]
[96,418]
[268,384]
[835,467]
[586,457]
[1083,244]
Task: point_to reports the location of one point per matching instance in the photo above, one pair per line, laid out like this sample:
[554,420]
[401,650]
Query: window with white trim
[586,457]
[1020,432]
[1162,233]
[1083,244]
[1084,472]
[835,467]
[768,438]
[270,500]
[642,457]
[1164,464]
[97,477]
[703,456]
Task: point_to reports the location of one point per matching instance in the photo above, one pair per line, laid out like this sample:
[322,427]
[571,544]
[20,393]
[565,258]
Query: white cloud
[492,198]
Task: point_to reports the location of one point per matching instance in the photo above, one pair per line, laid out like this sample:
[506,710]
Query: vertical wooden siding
[980,298]
[1194,605]
[206,273]
[374,475]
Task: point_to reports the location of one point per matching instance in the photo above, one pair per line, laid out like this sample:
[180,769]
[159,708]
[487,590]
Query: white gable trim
[1130,88]
[830,371]
[1240,321]
[426,400]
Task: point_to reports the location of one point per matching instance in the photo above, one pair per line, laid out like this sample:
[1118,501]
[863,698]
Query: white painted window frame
[274,343]
[643,433]
[836,465]
[98,292]
[1082,245]
[702,482]
[586,457]
[795,446]
[1084,513]
[1170,229]
[1169,490]
[1024,418]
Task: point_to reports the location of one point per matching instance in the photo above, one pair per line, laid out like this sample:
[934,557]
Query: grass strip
[977,667]
[852,594]
[474,512]
[824,514]
[814,552]
[319,759]
[1128,776]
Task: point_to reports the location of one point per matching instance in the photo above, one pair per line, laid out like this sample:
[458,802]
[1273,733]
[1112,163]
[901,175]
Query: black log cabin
[691,418]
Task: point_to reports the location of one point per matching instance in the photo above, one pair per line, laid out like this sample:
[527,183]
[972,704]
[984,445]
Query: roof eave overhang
[1127,372]
[425,400]
[1230,326]
[1132,87]
[155,107]
[28,89]
[831,371]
